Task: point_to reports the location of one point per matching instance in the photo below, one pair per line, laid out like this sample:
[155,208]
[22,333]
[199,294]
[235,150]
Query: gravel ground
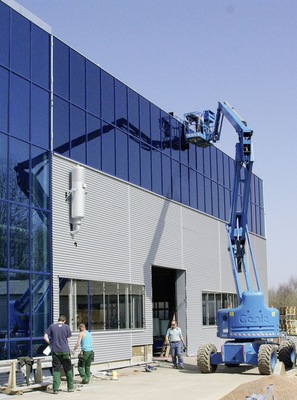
[283,388]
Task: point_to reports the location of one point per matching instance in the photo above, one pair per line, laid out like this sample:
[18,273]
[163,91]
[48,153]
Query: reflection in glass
[19,237]
[19,182]
[19,107]
[107,93]
[41,303]
[19,302]
[40,241]
[94,142]
[40,178]
[3,234]
[121,154]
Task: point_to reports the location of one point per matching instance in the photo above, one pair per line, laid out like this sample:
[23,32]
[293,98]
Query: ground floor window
[102,305]
[212,302]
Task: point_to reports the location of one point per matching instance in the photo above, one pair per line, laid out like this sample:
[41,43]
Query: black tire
[267,358]
[287,353]
[203,358]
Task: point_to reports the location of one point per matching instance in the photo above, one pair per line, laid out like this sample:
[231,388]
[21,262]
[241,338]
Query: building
[147,237]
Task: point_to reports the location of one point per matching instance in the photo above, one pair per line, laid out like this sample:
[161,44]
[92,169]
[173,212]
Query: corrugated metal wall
[125,231]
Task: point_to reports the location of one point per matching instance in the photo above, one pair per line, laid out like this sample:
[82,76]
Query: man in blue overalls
[175,338]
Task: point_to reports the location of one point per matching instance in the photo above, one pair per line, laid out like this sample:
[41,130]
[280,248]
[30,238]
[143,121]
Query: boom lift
[251,329]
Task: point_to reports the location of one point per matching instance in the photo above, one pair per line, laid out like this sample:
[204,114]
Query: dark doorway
[165,302]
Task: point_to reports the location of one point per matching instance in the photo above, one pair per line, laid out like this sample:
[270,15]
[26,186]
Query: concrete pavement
[164,382]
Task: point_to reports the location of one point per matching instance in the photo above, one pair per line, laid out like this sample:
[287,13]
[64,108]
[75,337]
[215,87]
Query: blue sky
[188,55]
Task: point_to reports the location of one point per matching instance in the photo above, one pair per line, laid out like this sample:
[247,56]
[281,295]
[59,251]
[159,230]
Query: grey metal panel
[125,231]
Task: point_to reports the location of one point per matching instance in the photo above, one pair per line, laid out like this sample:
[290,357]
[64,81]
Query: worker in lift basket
[174,338]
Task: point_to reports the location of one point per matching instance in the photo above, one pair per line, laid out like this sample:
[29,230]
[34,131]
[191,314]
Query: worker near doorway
[175,339]
[86,355]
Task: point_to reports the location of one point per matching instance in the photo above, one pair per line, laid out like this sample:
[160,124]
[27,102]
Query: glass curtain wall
[25,295]
[100,122]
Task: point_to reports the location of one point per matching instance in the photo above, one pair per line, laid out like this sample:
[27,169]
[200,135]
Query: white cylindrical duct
[78,191]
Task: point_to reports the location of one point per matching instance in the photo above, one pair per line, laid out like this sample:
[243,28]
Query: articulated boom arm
[207,129]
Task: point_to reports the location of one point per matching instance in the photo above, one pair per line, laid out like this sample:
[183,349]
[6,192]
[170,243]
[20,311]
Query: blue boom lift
[251,330]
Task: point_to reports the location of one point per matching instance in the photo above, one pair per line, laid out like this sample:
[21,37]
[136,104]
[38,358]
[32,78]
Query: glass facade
[25,296]
[98,121]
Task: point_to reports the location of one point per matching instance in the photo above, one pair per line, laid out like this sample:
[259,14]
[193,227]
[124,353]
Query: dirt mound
[284,388]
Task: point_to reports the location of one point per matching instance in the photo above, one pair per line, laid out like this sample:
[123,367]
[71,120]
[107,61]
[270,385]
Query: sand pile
[284,388]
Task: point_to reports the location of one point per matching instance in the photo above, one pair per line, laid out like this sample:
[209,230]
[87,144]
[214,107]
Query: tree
[285,295]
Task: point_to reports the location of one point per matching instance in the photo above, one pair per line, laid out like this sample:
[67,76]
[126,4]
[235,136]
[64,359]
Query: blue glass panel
[3,236]
[221,203]
[4,313]
[19,238]
[260,185]
[193,189]
[155,127]
[78,134]
[165,133]
[40,241]
[200,159]
[213,157]
[215,202]
[94,142]
[61,126]
[144,108]
[41,301]
[61,69]
[176,181]
[3,166]
[19,176]
[192,157]
[134,160]
[108,150]
[78,79]
[261,228]
[19,107]
[207,162]
[220,167]
[4,34]
[175,138]
[201,192]
[133,112]
[226,166]
[107,92]
[121,155]
[121,110]
[208,196]
[19,289]
[40,57]
[3,100]
[228,195]
[156,172]
[185,190]
[40,117]
[166,176]
[93,79]
[40,180]
[146,167]
[20,45]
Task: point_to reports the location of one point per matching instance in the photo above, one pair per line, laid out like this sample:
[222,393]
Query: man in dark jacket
[57,335]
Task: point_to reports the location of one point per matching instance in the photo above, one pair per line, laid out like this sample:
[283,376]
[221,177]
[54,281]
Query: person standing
[86,355]
[57,335]
[175,339]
